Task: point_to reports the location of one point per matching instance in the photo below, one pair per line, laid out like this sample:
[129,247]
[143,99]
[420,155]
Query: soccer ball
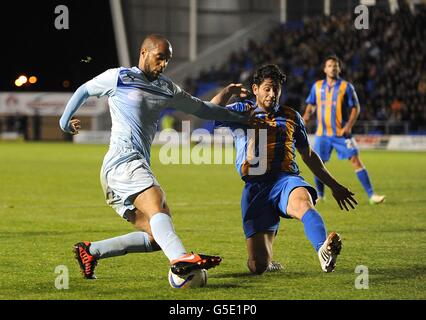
[194,279]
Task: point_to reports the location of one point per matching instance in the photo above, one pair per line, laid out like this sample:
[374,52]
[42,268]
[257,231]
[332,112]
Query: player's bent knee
[356,162]
[301,204]
[298,205]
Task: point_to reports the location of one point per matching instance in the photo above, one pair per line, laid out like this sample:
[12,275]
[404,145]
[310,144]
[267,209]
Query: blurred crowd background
[230,40]
[385,64]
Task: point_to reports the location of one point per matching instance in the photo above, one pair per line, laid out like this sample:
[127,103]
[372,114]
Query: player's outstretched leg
[86,261]
[192,261]
[88,253]
[329,251]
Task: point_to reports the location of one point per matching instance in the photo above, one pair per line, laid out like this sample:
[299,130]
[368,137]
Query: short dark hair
[334,58]
[269,71]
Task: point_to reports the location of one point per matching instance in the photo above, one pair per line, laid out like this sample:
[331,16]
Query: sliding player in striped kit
[273,186]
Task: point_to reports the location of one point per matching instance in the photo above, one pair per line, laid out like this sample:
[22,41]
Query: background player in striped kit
[337,109]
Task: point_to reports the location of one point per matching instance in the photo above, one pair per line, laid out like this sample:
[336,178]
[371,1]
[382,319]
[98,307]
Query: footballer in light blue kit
[337,108]
[277,190]
[135,97]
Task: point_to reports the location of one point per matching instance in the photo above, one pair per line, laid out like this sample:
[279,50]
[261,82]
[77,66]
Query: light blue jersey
[135,105]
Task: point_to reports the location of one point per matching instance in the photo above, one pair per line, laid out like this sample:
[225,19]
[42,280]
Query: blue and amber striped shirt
[285,133]
[333,105]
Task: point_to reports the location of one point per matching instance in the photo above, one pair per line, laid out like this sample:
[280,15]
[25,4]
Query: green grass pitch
[51,198]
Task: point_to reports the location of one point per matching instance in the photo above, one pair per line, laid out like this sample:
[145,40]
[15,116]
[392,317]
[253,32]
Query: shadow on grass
[222,285]
[280,274]
[384,275]
[397,202]
[23,234]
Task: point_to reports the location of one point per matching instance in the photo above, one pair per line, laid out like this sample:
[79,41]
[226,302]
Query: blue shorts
[346,148]
[264,201]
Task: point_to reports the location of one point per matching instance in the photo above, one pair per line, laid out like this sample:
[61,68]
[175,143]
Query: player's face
[156,60]
[332,69]
[267,94]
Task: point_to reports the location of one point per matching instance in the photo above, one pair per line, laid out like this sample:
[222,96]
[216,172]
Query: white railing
[384,127]
[374,127]
[364,142]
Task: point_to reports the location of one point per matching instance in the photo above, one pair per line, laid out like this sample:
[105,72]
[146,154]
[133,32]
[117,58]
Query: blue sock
[320,187]
[365,181]
[314,228]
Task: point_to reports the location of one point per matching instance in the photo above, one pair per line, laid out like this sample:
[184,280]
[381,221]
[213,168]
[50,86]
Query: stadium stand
[386,64]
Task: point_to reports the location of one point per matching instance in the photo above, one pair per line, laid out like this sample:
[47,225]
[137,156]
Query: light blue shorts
[121,183]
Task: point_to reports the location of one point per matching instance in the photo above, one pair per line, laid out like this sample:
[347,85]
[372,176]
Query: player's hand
[75,125]
[237,89]
[344,197]
[347,132]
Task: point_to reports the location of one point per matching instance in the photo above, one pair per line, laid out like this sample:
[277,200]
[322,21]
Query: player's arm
[104,84]
[353,103]
[347,129]
[309,110]
[183,101]
[77,100]
[226,93]
[342,194]
[310,104]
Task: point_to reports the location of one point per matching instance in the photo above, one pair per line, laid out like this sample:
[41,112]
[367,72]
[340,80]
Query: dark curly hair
[269,71]
[333,57]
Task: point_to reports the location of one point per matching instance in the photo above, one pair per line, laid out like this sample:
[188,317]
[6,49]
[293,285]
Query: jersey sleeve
[239,106]
[176,89]
[300,134]
[187,103]
[104,84]
[235,107]
[76,101]
[312,99]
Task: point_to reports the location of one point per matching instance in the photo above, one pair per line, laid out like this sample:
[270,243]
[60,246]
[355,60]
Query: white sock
[118,246]
[165,236]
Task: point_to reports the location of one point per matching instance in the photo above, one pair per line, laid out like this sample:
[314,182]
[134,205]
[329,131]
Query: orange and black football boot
[192,261]
[86,261]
